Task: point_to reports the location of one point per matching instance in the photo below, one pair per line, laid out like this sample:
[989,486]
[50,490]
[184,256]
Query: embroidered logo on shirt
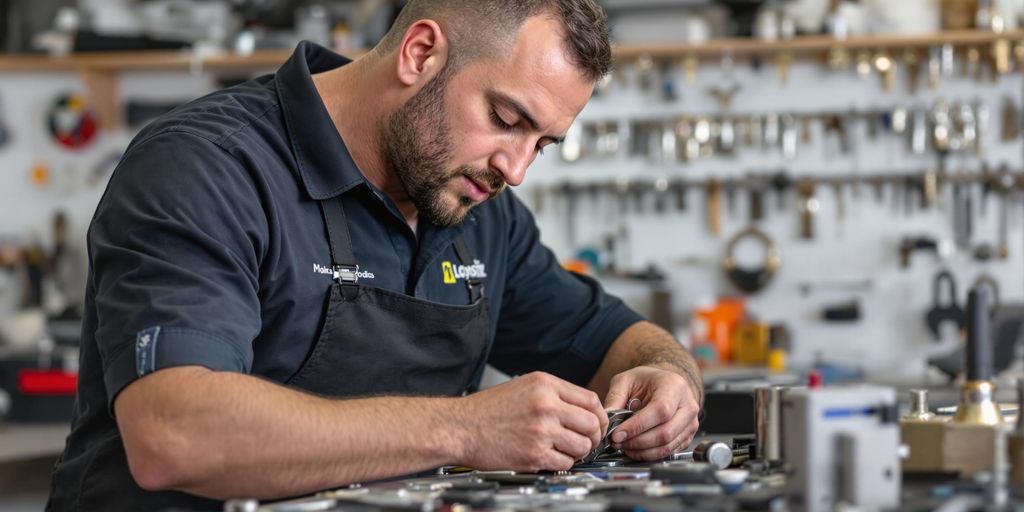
[327,270]
[449,274]
[452,273]
[145,350]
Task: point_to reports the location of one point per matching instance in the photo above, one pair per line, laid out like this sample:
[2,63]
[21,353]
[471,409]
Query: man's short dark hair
[483,28]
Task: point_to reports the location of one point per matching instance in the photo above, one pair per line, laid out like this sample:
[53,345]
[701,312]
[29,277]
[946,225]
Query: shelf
[143,61]
[810,44]
[99,71]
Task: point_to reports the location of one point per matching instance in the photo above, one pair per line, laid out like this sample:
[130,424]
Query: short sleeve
[551,319]
[174,249]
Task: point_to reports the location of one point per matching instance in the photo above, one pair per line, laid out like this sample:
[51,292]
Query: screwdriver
[716,453]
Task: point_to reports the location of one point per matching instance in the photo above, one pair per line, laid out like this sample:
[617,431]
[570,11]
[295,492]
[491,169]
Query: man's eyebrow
[525,114]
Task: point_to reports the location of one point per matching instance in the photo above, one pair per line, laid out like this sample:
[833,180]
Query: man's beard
[417,147]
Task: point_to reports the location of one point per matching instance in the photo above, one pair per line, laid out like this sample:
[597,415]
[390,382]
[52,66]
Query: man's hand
[666,419]
[533,422]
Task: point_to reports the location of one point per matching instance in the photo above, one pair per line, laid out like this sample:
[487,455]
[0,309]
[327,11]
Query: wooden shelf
[99,71]
[812,44]
[142,61]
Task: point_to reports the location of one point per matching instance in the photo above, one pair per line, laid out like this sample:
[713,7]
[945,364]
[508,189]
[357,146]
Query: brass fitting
[919,406]
[976,404]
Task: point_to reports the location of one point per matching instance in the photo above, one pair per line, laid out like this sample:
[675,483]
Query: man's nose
[512,165]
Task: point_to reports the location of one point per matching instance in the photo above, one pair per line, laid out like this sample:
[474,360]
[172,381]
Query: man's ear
[422,54]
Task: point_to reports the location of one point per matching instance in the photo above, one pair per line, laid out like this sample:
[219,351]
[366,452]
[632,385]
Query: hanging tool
[713,194]
[886,68]
[717,453]
[942,313]
[912,61]
[781,183]
[909,245]
[752,280]
[808,208]
[976,398]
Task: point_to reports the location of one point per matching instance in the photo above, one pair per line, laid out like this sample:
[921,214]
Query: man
[212,365]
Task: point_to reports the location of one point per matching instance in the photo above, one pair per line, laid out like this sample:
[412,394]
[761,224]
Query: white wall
[892,337]
[78,177]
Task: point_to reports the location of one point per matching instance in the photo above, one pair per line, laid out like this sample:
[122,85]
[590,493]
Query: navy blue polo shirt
[209,248]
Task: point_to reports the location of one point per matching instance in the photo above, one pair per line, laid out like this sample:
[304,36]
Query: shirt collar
[323,161]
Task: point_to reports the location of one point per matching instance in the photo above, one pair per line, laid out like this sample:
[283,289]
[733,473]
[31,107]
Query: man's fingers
[572,445]
[663,434]
[585,423]
[661,452]
[588,401]
[619,390]
[654,414]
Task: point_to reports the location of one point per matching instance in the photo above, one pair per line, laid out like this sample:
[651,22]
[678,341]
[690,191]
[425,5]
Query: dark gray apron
[372,342]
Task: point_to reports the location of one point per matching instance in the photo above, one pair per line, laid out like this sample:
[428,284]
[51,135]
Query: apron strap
[343,260]
[474,286]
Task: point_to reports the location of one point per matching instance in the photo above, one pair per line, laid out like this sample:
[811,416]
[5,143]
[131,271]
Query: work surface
[621,487]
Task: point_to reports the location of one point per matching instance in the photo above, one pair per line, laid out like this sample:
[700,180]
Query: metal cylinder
[768,422]
[240,505]
[919,406]
[979,349]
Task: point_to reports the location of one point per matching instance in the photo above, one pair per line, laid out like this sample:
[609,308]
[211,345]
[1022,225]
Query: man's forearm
[224,435]
[646,344]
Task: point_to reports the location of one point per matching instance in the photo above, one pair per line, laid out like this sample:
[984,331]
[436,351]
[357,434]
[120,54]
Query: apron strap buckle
[346,274]
[476,289]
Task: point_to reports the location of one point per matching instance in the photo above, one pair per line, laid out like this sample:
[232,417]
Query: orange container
[715,325]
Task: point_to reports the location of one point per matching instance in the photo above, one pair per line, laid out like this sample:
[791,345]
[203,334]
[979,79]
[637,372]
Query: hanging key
[661,194]
[930,188]
[755,189]
[912,63]
[783,61]
[886,68]
[947,56]
[838,188]
[771,131]
[1000,48]
[702,135]
[781,183]
[731,188]
[919,131]
[934,66]
[838,58]
[790,136]
[981,120]
[645,72]
[1018,55]
[1010,120]
[972,64]
[864,65]
[727,136]
[714,205]
[808,208]
[878,186]
[679,191]
[669,90]
[691,65]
